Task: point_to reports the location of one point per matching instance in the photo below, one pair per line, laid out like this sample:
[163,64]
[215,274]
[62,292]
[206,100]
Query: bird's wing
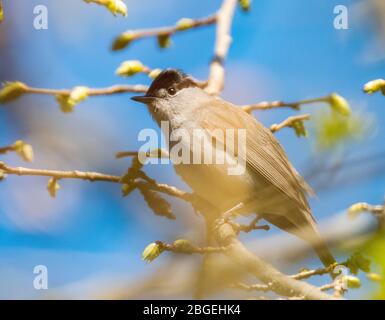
[264,156]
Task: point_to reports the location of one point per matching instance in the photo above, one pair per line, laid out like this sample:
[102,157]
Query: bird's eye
[171,90]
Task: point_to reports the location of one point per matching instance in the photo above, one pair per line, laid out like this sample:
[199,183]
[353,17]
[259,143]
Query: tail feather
[324,254]
[305,228]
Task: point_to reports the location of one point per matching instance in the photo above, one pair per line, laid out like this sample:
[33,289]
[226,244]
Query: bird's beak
[143,99]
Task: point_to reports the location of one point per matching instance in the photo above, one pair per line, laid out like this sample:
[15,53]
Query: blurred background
[89,237]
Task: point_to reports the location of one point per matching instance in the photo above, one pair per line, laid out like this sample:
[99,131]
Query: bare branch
[249,227]
[125,38]
[316,272]
[279,283]
[291,122]
[184,246]
[90,176]
[4,150]
[265,105]
[222,44]
[155,153]
[252,287]
[95,176]
[115,89]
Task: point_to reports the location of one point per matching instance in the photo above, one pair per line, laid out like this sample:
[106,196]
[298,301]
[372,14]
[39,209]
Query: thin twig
[115,89]
[248,227]
[128,36]
[265,105]
[327,287]
[4,150]
[316,272]
[95,176]
[155,153]
[188,248]
[300,276]
[289,122]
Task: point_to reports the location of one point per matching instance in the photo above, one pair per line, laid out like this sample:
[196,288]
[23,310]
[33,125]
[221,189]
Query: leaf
[375,277]
[245,5]
[11,91]
[117,7]
[78,94]
[114,6]
[154,73]
[358,262]
[352,282]
[374,86]
[151,252]
[127,188]
[67,102]
[129,68]
[357,208]
[23,150]
[164,41]
[156,203]
[123,40]
[339,104]
[299,128]
[132,171]
[184,24]
[333,130]
[52,187]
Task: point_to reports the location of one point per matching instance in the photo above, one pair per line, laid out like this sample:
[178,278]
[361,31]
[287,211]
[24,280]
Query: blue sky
[285,50]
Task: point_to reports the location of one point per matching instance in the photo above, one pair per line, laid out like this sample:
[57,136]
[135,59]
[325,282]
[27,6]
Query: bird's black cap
[167,78]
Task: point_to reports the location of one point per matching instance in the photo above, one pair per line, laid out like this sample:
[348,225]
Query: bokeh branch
[277,281]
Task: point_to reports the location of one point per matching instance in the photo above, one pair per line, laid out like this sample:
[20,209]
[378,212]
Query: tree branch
[222,44]
[184,246]
[265,105]
[278,282]
[95,176]
[291,122]
[306,274]
[125,38]
[115,89]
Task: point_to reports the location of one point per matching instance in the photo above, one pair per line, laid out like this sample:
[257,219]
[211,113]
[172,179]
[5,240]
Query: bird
[269,185]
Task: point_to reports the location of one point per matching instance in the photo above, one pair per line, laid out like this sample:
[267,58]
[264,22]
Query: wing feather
[264,155]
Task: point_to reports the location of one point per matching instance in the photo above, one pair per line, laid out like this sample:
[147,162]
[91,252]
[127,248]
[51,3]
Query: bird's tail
[304,226]
[324,253]
[311,234]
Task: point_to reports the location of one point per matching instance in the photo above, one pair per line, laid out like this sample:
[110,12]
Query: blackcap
[269,185]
